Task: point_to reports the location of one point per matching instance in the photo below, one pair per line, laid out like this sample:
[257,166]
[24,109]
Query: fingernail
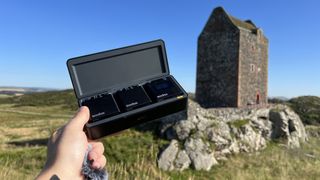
[96,165]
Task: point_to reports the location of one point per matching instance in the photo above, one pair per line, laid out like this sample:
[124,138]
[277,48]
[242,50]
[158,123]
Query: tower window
[252,67]
[258,98]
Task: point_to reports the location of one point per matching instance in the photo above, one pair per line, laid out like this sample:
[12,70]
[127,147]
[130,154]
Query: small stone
[183,129]
[167,157]
[201,156]
[182,161]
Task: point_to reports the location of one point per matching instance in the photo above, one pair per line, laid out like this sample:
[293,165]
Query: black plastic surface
[101,106]
[132,98]
[140,116]
[161,89]
[125,87]
[117,68]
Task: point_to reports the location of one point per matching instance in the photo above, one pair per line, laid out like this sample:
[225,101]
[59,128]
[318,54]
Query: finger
[97,150]
[93,156]
[80,119]
[100,162]
[97,147]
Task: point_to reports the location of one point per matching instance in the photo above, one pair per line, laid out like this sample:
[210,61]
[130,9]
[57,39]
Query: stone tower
[232,63]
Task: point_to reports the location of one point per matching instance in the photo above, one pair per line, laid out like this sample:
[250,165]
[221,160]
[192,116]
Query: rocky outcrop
[168,156]
[287,126]
[203,137]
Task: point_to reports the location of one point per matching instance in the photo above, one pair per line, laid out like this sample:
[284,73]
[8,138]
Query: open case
[125,87]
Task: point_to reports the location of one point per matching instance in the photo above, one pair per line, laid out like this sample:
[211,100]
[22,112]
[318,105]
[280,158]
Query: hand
[67,147]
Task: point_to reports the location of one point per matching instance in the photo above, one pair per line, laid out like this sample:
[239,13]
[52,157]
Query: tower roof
[244,24]
[248,24]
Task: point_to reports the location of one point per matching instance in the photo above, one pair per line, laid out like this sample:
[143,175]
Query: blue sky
[37,37]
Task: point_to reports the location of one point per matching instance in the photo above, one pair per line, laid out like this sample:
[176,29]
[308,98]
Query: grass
[132,154]
[21,162]
[65,98]
[4,96]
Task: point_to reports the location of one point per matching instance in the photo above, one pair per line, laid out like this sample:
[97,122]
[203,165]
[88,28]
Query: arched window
[258,99]
[252,67]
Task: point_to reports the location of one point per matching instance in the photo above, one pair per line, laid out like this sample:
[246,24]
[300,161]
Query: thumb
[80,119]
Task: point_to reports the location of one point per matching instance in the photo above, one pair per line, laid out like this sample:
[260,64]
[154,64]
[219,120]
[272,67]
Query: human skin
[67,147]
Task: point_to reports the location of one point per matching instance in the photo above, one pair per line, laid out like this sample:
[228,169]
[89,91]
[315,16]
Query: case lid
[118,68]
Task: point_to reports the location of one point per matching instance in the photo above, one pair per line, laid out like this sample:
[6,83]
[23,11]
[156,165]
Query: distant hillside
[66,98]
[277,100]
[308,108]
[21,90]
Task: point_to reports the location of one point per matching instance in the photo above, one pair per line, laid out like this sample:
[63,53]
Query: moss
[210,117]
[192,132]
[214,124]
[238,123]
[255,129]
[212,145]
[232,135]
[276,109]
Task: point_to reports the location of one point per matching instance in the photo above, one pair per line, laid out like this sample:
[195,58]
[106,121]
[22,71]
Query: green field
[26,123]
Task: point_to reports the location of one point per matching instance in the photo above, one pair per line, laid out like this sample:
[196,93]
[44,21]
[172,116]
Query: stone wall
[217,63]
[253,68]
[232,63]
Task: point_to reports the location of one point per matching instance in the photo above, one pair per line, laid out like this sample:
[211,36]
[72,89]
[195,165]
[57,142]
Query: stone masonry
[232,65]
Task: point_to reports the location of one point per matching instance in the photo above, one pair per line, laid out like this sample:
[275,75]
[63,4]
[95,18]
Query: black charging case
[125,87]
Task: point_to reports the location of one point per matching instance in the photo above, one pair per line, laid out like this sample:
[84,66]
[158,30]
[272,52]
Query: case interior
[119,68]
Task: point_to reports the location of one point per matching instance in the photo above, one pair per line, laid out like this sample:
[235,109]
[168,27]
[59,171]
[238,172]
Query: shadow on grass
[31,142]
[163,127]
